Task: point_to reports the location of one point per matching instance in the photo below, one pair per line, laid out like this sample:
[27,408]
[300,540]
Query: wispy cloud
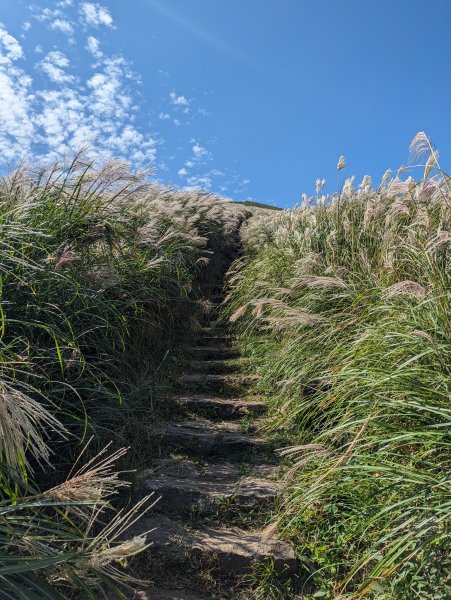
[93,47]
[16,126]
[71,111]
[200,153]
[178,100]
[56,102]
[62,25]
[95,15]
[11,49]
[54,65]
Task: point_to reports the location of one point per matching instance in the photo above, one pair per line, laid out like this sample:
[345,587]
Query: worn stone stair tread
[209,438]
[223,471]
[215,366]
[222,407]
[214,380]
[203,426]
[158,594]
[177,496]
[187,485]
[213,347]
[210,337]
[214,352]
[233,551]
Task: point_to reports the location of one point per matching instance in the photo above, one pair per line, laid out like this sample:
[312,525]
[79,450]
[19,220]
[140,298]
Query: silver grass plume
[405,288]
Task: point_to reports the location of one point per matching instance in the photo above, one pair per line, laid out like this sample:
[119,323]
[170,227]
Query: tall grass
[102,275]
[342,306]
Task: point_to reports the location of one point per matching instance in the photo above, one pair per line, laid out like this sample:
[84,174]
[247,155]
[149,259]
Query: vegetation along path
[216,482]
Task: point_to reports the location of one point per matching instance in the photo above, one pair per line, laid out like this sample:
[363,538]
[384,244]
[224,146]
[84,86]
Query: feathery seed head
[405,288]
[341,163]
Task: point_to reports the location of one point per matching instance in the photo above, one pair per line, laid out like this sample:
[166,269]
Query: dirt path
[216,480]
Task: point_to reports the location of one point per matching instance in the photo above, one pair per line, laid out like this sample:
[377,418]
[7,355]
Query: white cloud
[200,152]
[62,25]
[201,181]
[182,172]
[93,46]
[246,182]
[59,120]
[45,123]
[10,48]
[108,95]
[53,66]
[189,163]
[47,14]
[164,116]
[178,100]
[95,15]
[177,123]
[38,49]
[65,3]
[16,126]
[26,26]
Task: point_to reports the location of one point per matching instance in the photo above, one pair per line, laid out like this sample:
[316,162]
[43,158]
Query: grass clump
[342,307]
[103,275]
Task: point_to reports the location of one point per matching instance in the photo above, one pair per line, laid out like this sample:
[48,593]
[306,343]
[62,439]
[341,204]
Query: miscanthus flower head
[341,163]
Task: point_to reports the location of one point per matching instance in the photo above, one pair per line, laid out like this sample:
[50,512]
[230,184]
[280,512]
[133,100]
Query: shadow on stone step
[186,488]
[221,408]
[201,440]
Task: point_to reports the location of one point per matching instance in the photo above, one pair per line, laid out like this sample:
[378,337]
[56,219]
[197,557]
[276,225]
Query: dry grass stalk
[23,424]
[96,480]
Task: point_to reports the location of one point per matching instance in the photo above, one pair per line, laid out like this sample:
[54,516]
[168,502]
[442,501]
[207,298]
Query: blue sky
[246,98]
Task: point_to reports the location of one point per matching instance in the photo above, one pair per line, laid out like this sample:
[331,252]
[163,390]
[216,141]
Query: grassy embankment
[342,307]
[102,276]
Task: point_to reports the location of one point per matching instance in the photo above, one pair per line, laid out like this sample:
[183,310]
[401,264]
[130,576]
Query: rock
[214,366]
[188,486]
[216,382]
[158,594]
[209,338]
[206,440]
[231,552]
[213,352]
[221,408]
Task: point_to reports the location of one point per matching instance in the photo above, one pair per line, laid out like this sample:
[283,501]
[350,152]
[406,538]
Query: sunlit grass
[343,309]
[103,275]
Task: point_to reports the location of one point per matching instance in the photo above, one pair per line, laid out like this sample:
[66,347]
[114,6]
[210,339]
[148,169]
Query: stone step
[209,439]
[215,366]
[232,553]
[207,339]
[212,323]
[156,594]
[221,408]
[159,594]
[216,382]
[213,352]
[183,486]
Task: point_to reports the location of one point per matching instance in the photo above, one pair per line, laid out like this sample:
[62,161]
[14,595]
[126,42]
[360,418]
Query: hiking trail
[216,480]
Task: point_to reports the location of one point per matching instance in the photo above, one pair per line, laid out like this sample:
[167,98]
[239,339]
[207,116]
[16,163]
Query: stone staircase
[216,484]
